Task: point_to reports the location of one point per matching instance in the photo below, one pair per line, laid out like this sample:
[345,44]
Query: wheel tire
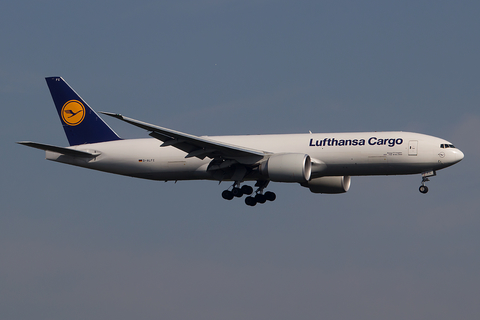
[227,195]
[260,198]
[237,192]
[250,201]
[247,190]
[423,189]
[270,196]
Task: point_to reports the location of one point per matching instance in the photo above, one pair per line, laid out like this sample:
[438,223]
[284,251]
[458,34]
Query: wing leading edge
[195,146]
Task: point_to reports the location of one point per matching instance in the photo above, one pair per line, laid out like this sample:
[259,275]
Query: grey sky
[79,244]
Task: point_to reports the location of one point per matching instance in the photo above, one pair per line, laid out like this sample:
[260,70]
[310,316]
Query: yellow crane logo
[73,112]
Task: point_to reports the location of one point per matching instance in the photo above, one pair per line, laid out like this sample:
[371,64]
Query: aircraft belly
[371,161]
[160,170]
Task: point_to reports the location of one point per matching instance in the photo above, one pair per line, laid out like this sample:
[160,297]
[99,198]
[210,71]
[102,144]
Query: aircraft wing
[195,146]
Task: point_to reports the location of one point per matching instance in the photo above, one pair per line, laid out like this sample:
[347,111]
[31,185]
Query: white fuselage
[349,154]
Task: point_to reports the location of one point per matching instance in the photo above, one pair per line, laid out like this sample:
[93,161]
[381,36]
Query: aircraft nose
[459,155]
[454,156]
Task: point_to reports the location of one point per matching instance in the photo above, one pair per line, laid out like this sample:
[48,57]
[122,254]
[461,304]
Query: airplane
[321,162]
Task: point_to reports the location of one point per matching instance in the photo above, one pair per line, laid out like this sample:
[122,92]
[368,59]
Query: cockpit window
[445,146]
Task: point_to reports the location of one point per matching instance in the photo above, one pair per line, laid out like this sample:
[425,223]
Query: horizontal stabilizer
[61,150]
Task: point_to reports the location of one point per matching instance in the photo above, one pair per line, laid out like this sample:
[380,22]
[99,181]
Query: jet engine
[339,184]
[287,167]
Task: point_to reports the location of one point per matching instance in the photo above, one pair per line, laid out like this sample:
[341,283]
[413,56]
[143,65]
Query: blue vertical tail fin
[80,122]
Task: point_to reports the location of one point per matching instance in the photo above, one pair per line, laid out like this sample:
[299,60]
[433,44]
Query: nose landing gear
[423,188]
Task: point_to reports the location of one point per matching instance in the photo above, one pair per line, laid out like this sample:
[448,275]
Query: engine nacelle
[288,167]
[329,184]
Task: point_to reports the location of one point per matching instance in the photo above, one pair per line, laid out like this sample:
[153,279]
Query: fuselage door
[412,147]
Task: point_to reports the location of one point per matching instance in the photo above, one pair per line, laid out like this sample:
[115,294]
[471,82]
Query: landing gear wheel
[227,195]
[260,198]
[250,201]
[270,196]
[247,190]
[237,192]
[423,189]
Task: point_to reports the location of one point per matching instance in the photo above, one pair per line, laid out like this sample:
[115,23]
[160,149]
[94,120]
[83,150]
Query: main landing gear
[260,197]
[423,188]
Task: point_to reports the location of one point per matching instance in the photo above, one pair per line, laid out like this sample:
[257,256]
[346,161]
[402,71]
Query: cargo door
[412,147]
